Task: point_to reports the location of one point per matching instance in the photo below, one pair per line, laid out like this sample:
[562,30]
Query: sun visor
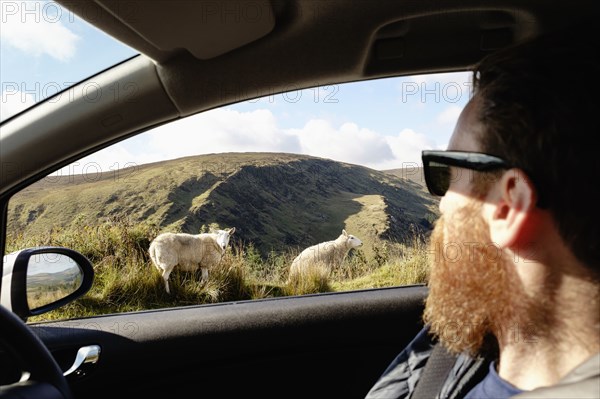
[206,29]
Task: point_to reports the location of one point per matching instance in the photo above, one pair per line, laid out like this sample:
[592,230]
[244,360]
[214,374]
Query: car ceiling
[258,47]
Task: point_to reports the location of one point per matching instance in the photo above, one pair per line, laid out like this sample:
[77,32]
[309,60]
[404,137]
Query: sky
[381,124]
[50,263]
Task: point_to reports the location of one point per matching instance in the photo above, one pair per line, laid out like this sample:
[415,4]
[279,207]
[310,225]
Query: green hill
[413,174]
[275,201]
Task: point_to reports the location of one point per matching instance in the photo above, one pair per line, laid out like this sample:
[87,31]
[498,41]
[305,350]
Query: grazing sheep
[329,253]
[188,251]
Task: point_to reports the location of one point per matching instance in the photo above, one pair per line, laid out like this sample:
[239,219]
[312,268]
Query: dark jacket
[400,379]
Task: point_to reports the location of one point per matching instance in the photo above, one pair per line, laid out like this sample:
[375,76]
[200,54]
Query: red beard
[474,289]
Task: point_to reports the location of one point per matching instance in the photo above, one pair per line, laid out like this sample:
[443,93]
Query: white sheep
[329,253]
[189,251]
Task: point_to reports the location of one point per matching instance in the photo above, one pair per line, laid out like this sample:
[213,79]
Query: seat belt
[434,374]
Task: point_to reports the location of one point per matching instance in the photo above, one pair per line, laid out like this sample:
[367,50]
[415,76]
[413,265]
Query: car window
[275,176]
[45,50]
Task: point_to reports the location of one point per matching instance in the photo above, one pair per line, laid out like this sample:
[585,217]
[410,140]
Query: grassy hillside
[275,201]
[125,280]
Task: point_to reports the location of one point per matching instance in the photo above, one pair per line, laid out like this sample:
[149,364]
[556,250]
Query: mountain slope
[275,201]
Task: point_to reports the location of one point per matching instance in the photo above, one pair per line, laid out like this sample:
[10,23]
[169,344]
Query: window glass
[280,173]
[45,49]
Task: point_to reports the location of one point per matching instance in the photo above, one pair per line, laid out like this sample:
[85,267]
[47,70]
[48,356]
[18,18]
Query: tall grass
[125,279]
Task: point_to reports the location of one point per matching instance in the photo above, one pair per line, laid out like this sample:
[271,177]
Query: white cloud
[348,143]
[14,102]
[406,147]
[449,116]
[216,131]
[225,130]
[108,161]
[35,28]
[222,130]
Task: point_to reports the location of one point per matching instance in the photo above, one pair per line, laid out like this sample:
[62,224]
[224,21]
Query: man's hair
[539,103]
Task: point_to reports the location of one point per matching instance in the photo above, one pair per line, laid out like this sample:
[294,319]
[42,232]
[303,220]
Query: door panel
[328,345]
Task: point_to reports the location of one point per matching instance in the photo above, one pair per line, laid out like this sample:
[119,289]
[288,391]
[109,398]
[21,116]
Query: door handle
[86,356]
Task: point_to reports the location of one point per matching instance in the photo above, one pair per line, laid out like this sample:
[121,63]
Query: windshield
[44,49]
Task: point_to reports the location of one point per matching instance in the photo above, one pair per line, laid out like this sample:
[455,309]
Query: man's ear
[511,209]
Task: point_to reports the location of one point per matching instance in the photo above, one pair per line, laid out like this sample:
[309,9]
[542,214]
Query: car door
[328,345]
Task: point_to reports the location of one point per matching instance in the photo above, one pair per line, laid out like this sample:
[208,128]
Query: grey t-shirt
[493,387]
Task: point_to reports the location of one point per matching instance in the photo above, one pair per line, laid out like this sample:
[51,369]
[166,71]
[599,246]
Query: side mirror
[38,280]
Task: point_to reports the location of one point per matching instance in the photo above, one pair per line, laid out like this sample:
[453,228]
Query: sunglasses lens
[438,178]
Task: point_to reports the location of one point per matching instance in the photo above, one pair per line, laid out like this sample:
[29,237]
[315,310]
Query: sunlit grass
[125,279]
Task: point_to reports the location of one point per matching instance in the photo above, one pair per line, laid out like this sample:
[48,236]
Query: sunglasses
[436,167]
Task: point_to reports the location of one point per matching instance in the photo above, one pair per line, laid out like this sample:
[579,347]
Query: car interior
[196,56]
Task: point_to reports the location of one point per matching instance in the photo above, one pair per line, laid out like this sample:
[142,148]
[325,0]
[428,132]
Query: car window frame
[5,199]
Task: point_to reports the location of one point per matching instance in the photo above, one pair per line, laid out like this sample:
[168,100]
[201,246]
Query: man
[514,284]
